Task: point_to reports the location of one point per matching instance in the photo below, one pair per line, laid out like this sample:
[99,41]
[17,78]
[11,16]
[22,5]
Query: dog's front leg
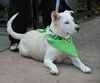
[48,61]
[77,62]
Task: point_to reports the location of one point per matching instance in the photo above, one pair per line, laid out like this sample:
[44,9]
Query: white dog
[33,44]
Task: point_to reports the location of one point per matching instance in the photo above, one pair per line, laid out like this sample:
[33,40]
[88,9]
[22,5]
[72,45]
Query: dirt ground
[17,69]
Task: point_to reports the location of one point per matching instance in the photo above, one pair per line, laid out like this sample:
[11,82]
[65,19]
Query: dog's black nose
[77,29]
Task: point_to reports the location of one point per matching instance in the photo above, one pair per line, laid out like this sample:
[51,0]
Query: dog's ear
[69,12]
[54,16]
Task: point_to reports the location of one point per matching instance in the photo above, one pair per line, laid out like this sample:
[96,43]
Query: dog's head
[64,22]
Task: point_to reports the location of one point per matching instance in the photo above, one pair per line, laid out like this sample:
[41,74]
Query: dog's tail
[9,28]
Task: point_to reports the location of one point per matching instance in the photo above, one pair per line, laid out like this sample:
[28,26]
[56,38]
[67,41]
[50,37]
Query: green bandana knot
[61,43]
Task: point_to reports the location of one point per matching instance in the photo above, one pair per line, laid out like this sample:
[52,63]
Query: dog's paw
[86,69]
[54,71]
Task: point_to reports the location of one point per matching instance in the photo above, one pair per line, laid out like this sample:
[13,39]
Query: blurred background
[83,8]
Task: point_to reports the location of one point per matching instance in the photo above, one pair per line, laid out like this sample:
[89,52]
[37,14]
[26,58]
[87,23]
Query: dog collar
[63,44]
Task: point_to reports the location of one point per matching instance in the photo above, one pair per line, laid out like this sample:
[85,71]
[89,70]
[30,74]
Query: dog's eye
[66,22]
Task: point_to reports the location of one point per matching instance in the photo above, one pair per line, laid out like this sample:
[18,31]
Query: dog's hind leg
[48,62]
[77,62]
[23,51]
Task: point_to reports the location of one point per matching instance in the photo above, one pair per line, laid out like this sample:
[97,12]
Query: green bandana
[63,44]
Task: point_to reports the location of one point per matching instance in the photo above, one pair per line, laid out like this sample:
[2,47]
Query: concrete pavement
[4,41]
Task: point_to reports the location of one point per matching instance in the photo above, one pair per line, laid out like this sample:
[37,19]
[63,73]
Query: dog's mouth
[77,29]
[68,33]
